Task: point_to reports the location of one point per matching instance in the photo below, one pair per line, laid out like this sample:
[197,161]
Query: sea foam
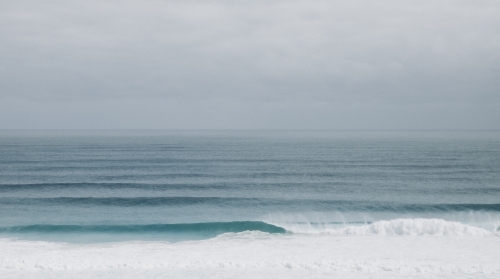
[418,226]
[401,227]
[362,253]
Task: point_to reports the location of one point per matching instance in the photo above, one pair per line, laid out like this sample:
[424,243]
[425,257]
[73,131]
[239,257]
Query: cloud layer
[250,64]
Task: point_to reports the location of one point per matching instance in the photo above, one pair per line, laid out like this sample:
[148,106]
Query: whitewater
[405,248]
[247,204]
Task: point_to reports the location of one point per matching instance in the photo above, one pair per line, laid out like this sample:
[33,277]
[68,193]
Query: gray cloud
[250,64]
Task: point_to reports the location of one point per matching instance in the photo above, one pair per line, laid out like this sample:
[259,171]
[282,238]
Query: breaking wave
[194,231]
[418,226]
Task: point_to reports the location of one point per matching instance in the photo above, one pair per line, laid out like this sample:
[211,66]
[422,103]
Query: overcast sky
[123,64]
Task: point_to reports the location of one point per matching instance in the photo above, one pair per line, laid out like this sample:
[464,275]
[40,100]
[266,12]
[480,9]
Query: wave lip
[419,226]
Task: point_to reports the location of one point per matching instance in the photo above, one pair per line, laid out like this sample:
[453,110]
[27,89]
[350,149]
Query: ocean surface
[249,204]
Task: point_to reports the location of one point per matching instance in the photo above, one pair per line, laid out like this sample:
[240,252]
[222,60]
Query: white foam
[361,251]
[413,227]
[449,223]
[418,226]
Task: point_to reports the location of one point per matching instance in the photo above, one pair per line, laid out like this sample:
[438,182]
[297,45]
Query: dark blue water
[147,184]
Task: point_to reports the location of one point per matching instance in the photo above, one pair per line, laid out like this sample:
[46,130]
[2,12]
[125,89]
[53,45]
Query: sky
[235,64]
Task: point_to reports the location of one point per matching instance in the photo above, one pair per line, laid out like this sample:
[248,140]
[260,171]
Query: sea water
[249,204]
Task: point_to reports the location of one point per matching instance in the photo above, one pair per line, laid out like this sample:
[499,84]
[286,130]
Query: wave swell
[344,206]
[213,228]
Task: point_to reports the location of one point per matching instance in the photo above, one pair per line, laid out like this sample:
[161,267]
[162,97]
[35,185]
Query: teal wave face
[214,228]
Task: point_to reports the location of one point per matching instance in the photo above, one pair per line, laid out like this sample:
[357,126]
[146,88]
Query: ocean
[249,204]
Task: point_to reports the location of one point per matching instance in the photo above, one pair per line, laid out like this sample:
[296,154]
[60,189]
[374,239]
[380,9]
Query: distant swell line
[106,185]
[214,228]
[229,202]
[125,202]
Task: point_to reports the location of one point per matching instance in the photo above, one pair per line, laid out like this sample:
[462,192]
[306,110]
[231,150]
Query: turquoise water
[94,186]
